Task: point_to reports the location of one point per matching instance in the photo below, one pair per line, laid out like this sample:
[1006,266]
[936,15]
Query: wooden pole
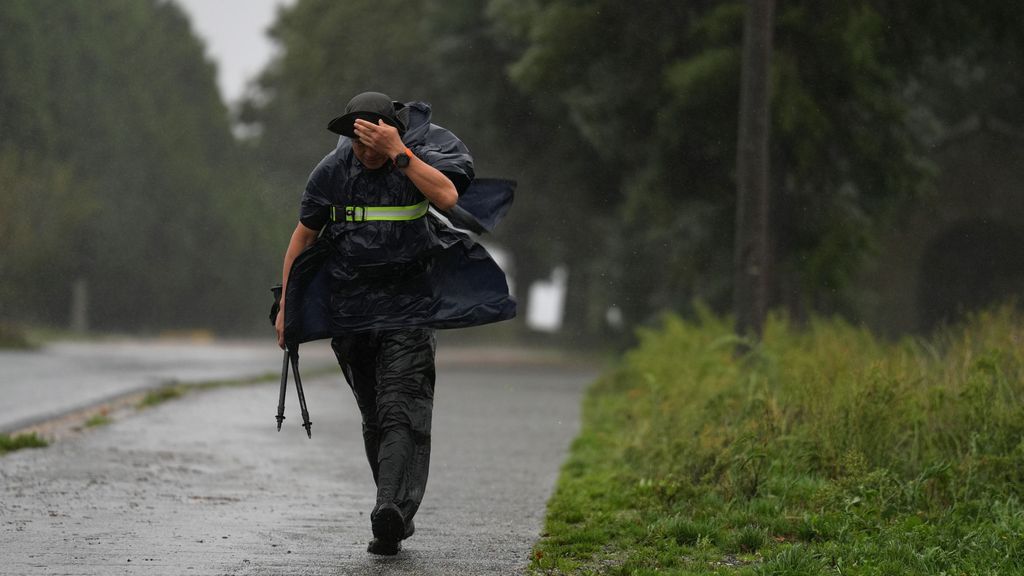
[750,289]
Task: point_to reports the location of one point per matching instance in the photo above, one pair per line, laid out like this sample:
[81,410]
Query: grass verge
[163,394]
[821,451]
[11,443]
[175,390]
[95,420]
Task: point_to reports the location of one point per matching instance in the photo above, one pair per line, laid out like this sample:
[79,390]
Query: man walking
[394,273]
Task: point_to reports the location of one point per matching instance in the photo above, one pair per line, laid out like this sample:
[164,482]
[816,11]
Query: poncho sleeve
[314,208]
[445,152]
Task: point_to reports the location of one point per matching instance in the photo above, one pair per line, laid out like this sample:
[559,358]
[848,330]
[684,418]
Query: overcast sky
[234,32]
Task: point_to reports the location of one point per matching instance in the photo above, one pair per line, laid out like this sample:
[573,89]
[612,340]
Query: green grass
[12,443]
[161,395]
[97,420]
[174,390]
[823,450]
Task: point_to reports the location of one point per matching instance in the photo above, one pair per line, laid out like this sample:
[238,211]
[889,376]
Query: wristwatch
[402,160]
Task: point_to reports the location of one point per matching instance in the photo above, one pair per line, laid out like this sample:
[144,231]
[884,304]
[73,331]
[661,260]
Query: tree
[661,78]
[619,120]
[119,120]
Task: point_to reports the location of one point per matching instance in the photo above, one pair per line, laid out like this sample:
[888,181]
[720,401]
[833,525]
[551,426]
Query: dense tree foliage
[618,120]
[118,168]
[854,88]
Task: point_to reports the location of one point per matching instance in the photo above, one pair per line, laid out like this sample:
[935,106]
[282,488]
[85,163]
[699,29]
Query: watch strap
[407,153]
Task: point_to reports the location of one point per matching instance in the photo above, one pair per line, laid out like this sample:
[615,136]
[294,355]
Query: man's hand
[384,140]
[382,137]
[279,327]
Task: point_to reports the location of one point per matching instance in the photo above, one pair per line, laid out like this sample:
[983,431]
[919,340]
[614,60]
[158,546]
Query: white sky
[234,33]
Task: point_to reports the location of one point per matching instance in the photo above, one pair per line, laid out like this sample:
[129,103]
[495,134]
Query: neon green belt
[379,213]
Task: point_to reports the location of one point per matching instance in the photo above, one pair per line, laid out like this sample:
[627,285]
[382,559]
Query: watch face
[402,160]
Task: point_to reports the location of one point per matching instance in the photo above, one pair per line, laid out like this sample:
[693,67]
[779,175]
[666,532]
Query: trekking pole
[275,310]
[302,397]
[284,387]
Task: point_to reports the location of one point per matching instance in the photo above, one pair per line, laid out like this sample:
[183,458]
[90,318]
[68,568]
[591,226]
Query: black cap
[370,106]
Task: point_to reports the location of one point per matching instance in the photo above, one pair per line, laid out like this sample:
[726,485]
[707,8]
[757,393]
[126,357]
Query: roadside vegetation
[13,337]
[823,450]
[101,419]
[161,395]
[175,390]
[11,443]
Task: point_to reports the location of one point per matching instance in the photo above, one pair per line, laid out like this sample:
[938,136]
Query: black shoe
[387,523]
[410,529]
[384,547]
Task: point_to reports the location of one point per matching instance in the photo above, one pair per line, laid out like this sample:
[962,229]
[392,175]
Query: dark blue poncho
[392,274]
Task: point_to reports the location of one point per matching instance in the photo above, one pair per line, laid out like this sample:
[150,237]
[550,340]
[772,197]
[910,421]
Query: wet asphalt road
[206,485]
[67,376]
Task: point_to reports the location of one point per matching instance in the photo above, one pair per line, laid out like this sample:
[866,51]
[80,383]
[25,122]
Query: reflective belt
[379,213]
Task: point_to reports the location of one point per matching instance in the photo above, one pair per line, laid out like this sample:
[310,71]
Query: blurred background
[153,153]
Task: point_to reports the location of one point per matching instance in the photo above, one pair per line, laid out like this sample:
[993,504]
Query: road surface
[206,485]
[66,376]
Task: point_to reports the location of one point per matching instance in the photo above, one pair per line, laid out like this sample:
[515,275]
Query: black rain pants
[391,373]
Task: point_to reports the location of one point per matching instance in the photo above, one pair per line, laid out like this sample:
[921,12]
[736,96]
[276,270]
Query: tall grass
[822,448]
[828,399]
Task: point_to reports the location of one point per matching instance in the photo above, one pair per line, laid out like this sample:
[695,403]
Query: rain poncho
[397,274]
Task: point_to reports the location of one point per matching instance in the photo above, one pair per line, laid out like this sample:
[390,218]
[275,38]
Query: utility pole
[752,265]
